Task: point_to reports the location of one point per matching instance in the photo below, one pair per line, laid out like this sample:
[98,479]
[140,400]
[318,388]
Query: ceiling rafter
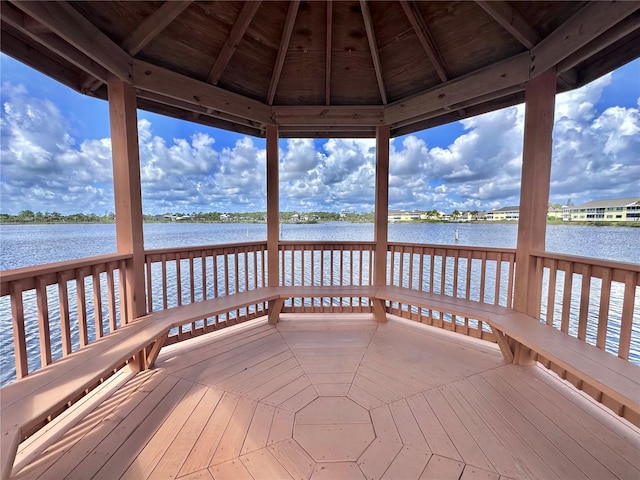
[512,21]
[282,50]
[240,26]
[588,23]
[63,20]
[153,25]
[373,47]
[327,61]
[18,20]
[426,39]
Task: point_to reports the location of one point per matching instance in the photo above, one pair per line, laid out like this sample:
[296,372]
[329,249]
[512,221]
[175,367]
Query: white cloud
[596,155]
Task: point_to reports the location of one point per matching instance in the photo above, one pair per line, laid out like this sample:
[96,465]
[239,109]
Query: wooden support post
[273,215]
[381,214]
[534,193]
[127,192]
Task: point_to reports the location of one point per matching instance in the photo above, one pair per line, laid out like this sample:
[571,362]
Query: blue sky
[55,156]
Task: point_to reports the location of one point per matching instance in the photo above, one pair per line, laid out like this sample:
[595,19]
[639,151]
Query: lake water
[25,245]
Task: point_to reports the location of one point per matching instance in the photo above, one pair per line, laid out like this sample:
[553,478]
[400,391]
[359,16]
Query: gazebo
[325,69]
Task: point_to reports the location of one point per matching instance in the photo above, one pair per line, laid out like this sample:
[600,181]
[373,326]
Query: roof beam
[282,50]
[324,115]
[240,26]
[373,46]
[159,80]
[591,21]
[153,25]
[499,76]
[63,20]
[622,29]
[512,22]
[20,21]
[327,61]
[426,39]
[16,48]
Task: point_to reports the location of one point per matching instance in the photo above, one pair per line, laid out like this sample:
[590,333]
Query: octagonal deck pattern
[326,399]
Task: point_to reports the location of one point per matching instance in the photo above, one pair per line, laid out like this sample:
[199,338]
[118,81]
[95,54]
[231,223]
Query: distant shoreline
[477,222]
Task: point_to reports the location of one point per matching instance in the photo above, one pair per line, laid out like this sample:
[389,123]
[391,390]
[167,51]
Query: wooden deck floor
[326,399]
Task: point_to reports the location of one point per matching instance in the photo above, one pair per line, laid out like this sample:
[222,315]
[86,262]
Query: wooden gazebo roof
[321,68]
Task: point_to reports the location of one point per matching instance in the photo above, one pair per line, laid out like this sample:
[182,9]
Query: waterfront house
[220,361]
[511,213]
[611,210]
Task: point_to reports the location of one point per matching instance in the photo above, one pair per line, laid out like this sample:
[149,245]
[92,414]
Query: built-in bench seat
[27,403]
[610,380]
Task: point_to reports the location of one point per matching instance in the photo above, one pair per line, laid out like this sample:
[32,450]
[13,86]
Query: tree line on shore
[29,216]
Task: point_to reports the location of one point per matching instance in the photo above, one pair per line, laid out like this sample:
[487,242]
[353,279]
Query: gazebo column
[534,194]
[127,193]
[273,219]
[381,217]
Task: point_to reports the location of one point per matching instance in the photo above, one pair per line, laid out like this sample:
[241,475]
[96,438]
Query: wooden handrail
[26,274]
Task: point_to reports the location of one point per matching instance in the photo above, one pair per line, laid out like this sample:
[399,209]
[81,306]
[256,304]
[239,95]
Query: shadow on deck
[326,397]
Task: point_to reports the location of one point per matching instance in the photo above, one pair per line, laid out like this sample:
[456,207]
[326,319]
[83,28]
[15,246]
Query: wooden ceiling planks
[417,63]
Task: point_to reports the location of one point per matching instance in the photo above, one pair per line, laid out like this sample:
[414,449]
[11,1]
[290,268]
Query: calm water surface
[23,245]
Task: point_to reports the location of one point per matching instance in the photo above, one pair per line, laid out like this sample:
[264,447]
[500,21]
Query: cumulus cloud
[596,155]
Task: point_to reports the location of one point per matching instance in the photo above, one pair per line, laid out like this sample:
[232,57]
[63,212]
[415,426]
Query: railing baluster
[496,294]
[19,335]
[149,287]
[626,321]
[82,308]
[63,301]
[551,293]
[512,268]
[566,298]
[97,302]
[111,298]
[483,276]
[122,269]
[455,274]
[584,302]
[43,322]
[603,311]
[165,301]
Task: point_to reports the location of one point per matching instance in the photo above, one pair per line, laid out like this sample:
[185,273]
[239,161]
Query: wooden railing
[58,308]
[55,309]
[325,264]
[596,301]
[475,273]
[177,276]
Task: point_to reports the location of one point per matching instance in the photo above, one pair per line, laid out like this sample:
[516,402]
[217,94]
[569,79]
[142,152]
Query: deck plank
[293,458]
[159,443]
[202,452]
[409,463]
[496,451]
[231,442]
[262,465]
[232,470]
[442,467]
[121,454]
[529,460]
[384,425]
[176,454]
[435,400]
[574,451]
[377,458]
[470,451]
[408,427]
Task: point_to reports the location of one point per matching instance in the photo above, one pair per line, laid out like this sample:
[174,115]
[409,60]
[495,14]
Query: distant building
[406,216]
[511,214]
[612,210]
